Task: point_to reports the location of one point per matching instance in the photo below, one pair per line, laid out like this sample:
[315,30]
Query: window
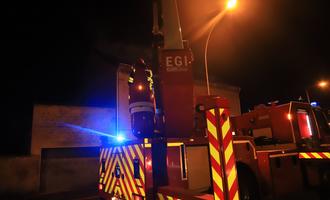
[136,164]
[103,165]
[322,122]
[183,162]
[117,171]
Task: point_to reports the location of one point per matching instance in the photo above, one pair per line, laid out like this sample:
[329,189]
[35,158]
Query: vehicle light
[100,186]
[140,87]
[289,117]
[120,138]
[314,104]
[149,164]
[304,123]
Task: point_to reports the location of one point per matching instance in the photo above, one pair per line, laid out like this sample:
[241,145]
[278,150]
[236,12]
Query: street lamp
[321,84]
[231,4]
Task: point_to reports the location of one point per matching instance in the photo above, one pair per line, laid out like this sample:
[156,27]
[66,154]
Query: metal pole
[307,96]
[205,59]
[215,22]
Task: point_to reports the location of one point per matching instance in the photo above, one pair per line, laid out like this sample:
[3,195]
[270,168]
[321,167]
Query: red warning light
[140,87]
[100,186]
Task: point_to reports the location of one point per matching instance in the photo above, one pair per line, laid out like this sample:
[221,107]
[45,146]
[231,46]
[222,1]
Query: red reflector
[100,187]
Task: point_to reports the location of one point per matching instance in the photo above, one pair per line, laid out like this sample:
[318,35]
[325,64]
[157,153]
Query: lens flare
[120,138]
[231,4]
[88,130]
[323,84]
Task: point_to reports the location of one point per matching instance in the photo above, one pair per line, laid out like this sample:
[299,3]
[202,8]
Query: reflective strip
[211,128]
[141,104]
[169,144]
[217,178]
[135,155]
[109,161]
[229,156]
[130,79]
[314,155]
[141,109]
[145,140]
[174,144]
[123,156]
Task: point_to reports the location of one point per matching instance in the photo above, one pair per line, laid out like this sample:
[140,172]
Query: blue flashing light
[120,138]
[314,104]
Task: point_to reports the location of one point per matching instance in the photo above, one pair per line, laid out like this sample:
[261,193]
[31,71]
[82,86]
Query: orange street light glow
[140,87]
[231,4]
[322,84]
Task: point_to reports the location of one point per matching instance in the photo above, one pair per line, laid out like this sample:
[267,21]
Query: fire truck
[278,151]
[185,148]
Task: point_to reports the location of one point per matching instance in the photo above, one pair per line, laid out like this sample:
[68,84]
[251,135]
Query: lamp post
[231,4]
[321,84]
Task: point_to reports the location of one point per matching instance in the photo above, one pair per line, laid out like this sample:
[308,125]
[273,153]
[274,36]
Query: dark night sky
[65,53]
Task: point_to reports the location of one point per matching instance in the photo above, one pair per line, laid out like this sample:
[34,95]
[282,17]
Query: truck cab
[294,123]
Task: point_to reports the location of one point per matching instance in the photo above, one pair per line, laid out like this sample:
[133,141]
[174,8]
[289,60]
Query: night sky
[67,53]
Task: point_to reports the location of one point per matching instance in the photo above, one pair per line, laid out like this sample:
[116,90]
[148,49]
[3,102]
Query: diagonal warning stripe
[229,152]
[231,178]
[225,128]
[128,175]
[314,155]
[217,178]
[215,154]
[212,129]
[107,162]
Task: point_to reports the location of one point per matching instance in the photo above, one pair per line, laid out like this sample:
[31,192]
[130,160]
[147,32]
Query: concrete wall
[67,140]
[69,126]
[69,169]
[231,93]
[19,175]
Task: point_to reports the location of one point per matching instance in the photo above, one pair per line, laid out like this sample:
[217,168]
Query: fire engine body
[290,140]
[266,156]
[244,157]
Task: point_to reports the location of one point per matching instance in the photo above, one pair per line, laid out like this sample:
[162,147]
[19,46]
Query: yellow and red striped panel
[166,197]
[214,147]
[314,155]
[123,156]
[229,156]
